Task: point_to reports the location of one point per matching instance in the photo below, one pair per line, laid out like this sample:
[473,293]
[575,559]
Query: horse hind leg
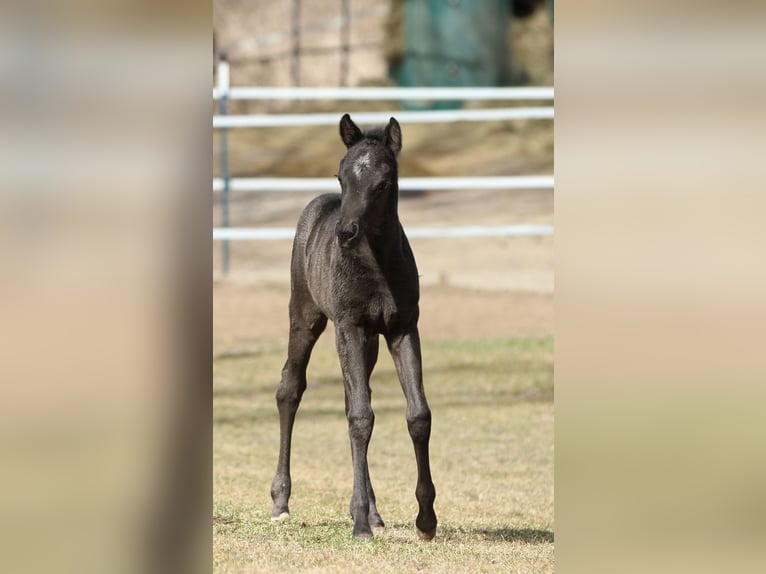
[374,516]
[306,324]
[371,351]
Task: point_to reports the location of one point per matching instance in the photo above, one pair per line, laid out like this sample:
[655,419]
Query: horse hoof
[363,534]
[283,516]
[427,536]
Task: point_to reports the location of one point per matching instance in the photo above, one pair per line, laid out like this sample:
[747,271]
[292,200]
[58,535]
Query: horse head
[368,178]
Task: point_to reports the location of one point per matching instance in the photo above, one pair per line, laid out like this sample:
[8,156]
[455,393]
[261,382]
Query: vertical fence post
[345,40]
[223,87]
[296,40]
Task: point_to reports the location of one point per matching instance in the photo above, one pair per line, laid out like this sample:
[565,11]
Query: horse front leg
[306,324]
[405,350]
[354,351]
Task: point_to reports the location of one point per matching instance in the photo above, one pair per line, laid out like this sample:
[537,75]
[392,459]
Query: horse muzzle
[347,234]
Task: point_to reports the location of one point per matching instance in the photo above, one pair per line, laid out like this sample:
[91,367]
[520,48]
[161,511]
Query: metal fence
[223,93]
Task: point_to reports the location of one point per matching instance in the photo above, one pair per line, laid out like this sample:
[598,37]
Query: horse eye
[383,186]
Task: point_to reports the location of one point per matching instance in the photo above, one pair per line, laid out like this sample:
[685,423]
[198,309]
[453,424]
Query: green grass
[491,450]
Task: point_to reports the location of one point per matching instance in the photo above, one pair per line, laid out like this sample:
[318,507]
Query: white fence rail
[400,94]
[278,233]
[319,184]
[403,117]
[223,93]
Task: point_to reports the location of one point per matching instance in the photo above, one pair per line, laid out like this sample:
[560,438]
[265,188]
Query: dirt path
[247,313]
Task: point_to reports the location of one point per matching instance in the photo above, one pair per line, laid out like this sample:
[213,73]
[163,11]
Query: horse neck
[387,244]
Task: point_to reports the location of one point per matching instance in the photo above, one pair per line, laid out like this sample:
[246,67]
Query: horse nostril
[348,233]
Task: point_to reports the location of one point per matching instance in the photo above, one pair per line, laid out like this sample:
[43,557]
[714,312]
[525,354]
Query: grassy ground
[491,450]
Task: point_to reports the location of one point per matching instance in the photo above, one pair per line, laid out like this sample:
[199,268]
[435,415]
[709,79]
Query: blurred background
[106,293]
[377,42]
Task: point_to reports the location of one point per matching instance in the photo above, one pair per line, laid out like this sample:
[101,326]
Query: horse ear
[394,136]
[349,132]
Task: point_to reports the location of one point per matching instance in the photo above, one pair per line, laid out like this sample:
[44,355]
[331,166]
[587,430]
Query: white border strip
[348,94]
[403,117]
[405,183]
[277,233]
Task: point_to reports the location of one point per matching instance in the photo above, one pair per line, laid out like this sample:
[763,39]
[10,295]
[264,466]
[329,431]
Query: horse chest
[379,308]
[362,294]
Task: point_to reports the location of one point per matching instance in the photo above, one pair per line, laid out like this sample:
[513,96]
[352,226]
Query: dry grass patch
[492,462]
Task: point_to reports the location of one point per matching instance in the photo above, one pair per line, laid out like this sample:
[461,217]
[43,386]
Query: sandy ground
[245,313]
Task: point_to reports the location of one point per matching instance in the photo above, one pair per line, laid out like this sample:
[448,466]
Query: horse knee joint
[360,425]
[419,424]
[285,395]
[289,395]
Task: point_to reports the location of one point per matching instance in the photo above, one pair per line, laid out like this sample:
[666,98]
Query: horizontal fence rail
[399,94]
[281,233]
[224,93]
[316,184]
[403,117]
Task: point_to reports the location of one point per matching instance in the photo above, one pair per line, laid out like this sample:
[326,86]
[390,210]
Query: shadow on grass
[523,535]
[510,535]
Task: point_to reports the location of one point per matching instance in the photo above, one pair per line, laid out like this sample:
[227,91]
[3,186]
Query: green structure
[458,43]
